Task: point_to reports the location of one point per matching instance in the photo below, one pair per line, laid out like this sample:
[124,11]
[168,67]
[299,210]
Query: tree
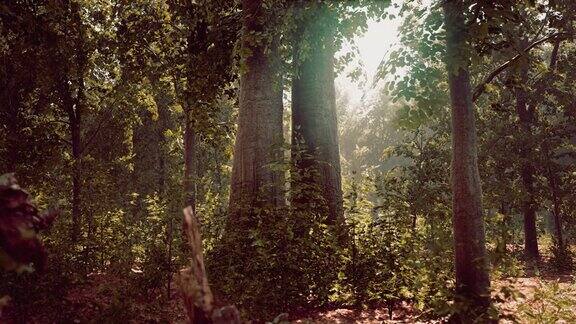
[527,118]
[472,279]
[315,148]
[209,72]
[523,34]
[259,136]
[69,68]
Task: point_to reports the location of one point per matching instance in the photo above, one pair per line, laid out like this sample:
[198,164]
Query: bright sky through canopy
[373,46]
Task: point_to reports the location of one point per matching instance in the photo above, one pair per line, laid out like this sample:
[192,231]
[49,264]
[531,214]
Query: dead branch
[198,298]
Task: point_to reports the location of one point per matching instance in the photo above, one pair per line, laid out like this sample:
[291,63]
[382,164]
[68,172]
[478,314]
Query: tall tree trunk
[74,119]
[259,134]
[76,127]
[527,173]
[164,123]
[557,203]
[472,279]
[197,44]
[72,108]
[315,148]
[554,180]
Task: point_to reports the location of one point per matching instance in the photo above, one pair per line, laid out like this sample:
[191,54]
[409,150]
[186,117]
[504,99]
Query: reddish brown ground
[90,300]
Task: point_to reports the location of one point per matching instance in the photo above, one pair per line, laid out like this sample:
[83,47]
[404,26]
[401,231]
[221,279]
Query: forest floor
[542,297]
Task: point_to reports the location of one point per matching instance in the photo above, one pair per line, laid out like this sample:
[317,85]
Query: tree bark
[557,206]
[481,87]
[193,281]
[197,44]
[472,279]
[72,108]
[554,180]
[527,173]
[74,118]
[259,134]
[315,148]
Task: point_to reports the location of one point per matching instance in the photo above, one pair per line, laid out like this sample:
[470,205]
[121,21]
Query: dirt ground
[96,299]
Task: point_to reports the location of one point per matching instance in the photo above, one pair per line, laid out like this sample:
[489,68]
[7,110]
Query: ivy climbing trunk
[472,279]
[197,44]
[315,148]
[255,182]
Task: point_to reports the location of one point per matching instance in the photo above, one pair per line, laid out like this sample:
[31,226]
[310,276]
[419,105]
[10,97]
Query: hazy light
[373,46]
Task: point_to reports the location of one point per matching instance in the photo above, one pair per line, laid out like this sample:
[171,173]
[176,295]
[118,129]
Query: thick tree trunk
[526,119]
[315,148]
[472,279]
[259,134]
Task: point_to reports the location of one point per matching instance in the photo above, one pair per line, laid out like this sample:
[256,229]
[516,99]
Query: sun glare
[373,46]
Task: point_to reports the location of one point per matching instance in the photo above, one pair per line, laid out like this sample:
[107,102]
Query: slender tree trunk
[315,148]
[74,119]
[190,163]
[527,118]
[554,183]
[76,113]
[558,219]
[472,279]
[554,180]
[527,172]
[72,108]
[259,134]
[163,124]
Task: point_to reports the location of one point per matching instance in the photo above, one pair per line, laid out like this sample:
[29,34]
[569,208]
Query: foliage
[551,303]
[20,223]
[97,98]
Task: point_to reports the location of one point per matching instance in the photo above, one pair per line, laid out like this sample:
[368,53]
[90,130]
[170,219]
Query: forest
[239,161]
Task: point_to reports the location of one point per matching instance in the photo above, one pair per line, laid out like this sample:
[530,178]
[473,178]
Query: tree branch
[480,88]
[196,292]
